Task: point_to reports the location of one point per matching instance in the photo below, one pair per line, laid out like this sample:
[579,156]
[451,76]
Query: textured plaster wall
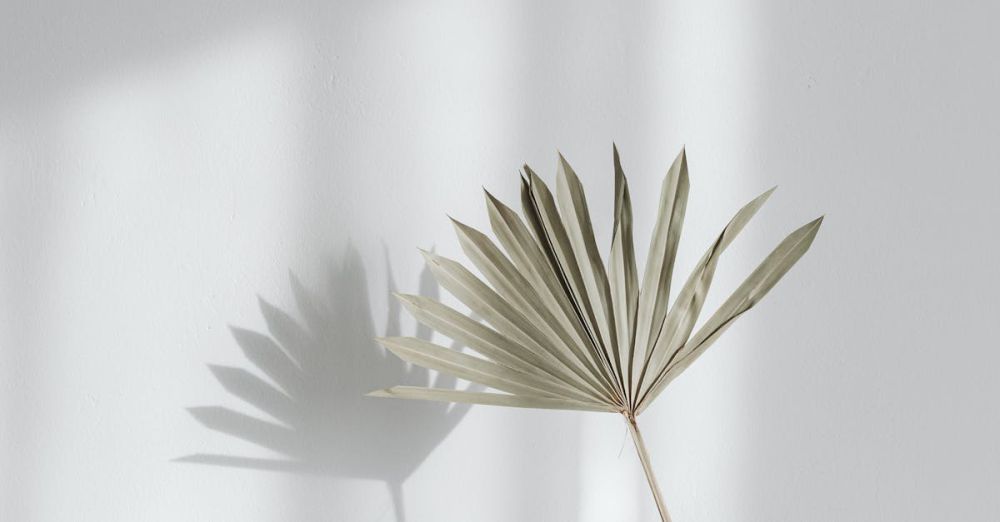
[165,165]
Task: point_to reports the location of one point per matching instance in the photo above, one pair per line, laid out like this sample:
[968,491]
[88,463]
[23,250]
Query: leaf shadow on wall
[321,370]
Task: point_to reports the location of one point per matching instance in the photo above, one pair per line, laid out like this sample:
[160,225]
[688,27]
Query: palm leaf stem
[647,467]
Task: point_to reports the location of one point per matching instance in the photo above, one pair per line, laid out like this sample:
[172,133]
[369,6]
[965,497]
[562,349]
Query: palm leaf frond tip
[562,329]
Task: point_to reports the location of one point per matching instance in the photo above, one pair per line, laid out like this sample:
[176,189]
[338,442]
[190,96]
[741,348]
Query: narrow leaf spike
[559,329]
[655,292]
[679,321]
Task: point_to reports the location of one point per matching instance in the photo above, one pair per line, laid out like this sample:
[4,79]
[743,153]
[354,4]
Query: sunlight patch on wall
[705,57]
[174,167]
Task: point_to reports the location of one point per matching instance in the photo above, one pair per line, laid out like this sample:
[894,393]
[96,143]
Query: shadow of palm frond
[318,372]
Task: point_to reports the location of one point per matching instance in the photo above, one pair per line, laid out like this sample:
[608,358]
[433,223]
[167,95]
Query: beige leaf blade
[623,276]
[484,301]
[540,207]
[470,368]
[655,291]
[753,289]
[551,233]
[491,399]
[513,287]
[484,340]
[682,316]
[572,202]
[534,264]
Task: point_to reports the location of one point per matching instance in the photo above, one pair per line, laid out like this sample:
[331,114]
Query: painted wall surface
[165,167]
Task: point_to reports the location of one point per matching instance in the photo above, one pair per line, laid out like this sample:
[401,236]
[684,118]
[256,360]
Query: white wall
[163,165]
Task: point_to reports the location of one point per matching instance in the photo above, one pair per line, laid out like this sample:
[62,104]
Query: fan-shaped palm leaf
[567,332]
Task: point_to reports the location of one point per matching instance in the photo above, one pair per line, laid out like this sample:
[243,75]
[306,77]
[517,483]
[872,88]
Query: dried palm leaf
[562,330]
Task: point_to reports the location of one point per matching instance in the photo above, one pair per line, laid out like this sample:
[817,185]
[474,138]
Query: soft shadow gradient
[318,371]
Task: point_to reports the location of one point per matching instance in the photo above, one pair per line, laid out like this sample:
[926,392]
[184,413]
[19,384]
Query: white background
[163,164]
